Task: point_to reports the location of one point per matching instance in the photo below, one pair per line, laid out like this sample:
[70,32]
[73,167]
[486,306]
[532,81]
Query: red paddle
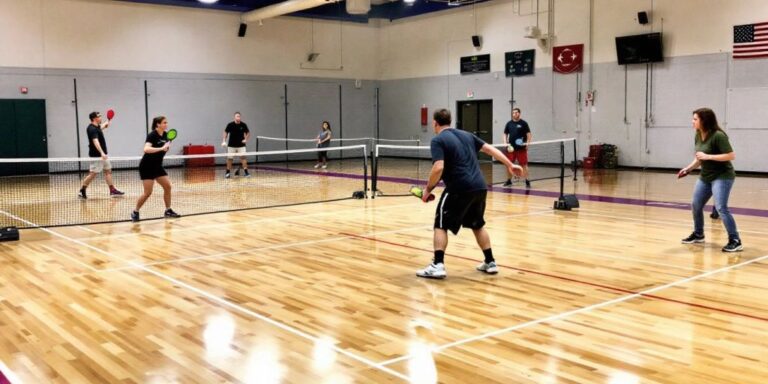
[110,114]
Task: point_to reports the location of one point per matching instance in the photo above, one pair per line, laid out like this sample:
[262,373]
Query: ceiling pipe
[283,8]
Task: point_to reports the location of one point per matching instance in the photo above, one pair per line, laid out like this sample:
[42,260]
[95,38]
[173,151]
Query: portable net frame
[279,143]
[395,165]
[43,192]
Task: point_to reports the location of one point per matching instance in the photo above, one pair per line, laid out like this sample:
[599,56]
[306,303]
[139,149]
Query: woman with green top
[714,154]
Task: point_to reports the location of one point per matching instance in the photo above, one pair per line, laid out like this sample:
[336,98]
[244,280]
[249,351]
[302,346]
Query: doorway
[476,116]
[23,129]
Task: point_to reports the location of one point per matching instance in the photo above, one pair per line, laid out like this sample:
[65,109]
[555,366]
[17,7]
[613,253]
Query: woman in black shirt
[151,167]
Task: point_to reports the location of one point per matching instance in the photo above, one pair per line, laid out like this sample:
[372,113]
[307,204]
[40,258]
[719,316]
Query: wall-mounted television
[637,49]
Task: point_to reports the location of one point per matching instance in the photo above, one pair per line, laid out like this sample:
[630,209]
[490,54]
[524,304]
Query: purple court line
[574,280]
[3,379]
[602,199]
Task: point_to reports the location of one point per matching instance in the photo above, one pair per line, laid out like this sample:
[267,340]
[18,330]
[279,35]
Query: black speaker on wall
[476,41]
[642,17]
[241,31]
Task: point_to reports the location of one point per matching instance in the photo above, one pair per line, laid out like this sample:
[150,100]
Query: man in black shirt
[97,148]
[238,136]
[517,136]
[462,204]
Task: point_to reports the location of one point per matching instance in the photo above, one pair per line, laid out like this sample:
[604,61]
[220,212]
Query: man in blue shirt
[517,136]
[462,204]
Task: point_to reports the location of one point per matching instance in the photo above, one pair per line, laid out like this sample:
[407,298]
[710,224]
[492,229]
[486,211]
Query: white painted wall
[432,44]
[116,35]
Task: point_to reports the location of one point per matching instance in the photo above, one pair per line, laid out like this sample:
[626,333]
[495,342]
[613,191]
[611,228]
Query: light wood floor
[326,293]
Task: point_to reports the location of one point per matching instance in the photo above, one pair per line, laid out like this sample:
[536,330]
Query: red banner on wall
[568,58]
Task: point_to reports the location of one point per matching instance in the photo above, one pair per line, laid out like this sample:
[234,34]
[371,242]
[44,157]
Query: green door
[8,135]
[23,129]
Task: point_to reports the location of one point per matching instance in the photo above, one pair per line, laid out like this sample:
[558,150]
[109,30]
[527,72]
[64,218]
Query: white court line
[9,374]
[563,315]
[289,245]
[225,254]
[60,253]
[84,228]
[219,300]
[606,256]
[240,222]
[676,222]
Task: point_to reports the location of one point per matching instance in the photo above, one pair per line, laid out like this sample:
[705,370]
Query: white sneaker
[325,166]
[317,165]
[489,268]
[432,271]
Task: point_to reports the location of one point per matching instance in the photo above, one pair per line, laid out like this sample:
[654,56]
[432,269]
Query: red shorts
[521,155]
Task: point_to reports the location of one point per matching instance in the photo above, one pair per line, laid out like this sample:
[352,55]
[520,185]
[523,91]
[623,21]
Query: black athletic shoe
[527,183]
[734,245]
[237,172]
[693,238]
[246,174]
[169,213]
[507,183]
[82,194]
[135,216]
[226,175]
[714,215]
[115,193]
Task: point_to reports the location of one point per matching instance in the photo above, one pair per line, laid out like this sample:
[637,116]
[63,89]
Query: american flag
[750,41]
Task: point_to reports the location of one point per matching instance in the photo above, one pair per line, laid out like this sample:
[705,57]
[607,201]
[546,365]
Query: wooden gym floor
[326,293]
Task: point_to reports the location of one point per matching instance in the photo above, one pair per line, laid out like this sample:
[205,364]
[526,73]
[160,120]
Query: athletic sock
[439,256]
[488,255]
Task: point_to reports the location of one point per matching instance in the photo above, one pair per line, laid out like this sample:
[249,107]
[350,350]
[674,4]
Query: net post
[575,160]
[564,203]
[257,149]
[374,172]
[562,169]
[365,171]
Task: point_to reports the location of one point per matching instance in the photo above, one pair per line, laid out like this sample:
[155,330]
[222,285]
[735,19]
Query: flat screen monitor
[637,49]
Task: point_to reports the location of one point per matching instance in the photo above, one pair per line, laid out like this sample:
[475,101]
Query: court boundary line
[641,294]
[8,374]
[281,246]
[641,261]
[85,228]
[338,238]
[64,254]
[585,282]
[217,225]
[675,222]
[211,298]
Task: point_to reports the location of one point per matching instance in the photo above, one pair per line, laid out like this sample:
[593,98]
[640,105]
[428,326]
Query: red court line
[565,278]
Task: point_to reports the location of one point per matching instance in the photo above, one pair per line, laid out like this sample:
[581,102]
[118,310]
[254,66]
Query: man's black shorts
[456,210]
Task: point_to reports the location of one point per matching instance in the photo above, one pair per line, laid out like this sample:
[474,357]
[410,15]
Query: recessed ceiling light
[208,1]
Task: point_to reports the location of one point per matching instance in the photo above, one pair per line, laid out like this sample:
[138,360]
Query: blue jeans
[721,189]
